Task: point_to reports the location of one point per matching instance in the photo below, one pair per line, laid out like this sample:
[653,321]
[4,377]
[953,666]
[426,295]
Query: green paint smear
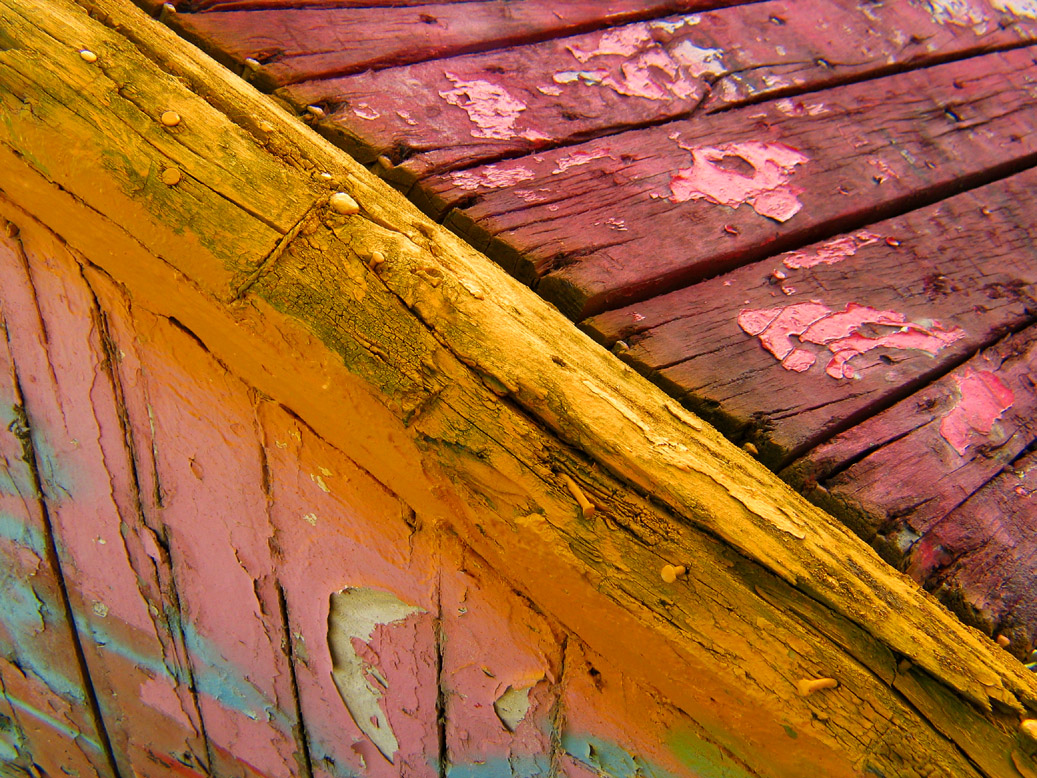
[705,759]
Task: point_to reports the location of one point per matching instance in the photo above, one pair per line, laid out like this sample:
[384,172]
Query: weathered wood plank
[124,104]
[501,673]
[212,507]
[980,556]
[739,348]
[337,529]
[301,44]
[645,212]
[444,115]
[919,467]
[90,496]
[435,431]
[41,679]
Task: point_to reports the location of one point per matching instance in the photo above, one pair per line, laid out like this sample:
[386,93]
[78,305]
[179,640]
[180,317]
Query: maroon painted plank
[300,44]
[630,216]
[444,115]
[981,556]
[912,469]
[958,273]
[248,5]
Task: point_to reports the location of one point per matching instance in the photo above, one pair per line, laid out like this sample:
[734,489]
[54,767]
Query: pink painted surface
[831,252]
[984,398]
[89,494]
[747,172]
[335,527]
[197,435]
[840,332]
[501,666]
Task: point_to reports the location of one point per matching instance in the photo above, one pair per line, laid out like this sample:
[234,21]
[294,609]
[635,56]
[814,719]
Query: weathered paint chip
[718,174]
[840,333]
[831,252]
[491,177]
[353,617]
[490,107]
[511,707]
[983,400]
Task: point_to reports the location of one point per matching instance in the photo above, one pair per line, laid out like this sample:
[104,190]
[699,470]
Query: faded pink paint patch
[641,67]
[577,158]
[490,107]
[831,252]
[984,398]
[490,177]
[840,333]
[621,41]
[767,189]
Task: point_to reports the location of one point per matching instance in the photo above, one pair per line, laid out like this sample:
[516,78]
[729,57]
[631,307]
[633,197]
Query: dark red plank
[246,5]
[787,351]
[299,44]
[981,557]
[630,216]
[449,114]
[919,468]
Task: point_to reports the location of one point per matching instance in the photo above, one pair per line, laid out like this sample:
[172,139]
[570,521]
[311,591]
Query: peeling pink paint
[577,158]
[1027,8]
[831,252]
[490,177]
[840,333]
[621,41]
[963,13]
[364,111]
[767,190]
[490,107]
[984,398]
[645,69]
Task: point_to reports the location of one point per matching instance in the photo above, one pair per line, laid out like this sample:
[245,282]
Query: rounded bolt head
[342,203]
[170,118]
[171,176]
[1028,728]
[315,111]
[87,55]
[1003,641]
[670,573]
[252,64]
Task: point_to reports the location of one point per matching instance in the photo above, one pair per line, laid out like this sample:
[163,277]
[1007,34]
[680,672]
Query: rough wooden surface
[296,44]
[959,274]
[950,450]
[652,210]
[425,117]
[383,316]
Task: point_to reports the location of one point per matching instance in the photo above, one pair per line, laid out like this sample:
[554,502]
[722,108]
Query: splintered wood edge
[521,349]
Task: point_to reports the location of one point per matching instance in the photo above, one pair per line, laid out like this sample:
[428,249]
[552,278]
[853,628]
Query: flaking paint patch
[512,706]
[840,332]
[983,399]
[490,107]
[354,615]
[490,177]
[581,157]
[630,62]
[831,252]
[1027,8]
[768,189]
[963,13]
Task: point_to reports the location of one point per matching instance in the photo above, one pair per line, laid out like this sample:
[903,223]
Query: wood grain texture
[960,273]
[90,495]
[641,217]
[121,99]
[499,448]
[298,44]
[931,464]
[424,117]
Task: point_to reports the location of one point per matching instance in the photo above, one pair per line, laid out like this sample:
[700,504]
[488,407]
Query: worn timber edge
[487,411]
